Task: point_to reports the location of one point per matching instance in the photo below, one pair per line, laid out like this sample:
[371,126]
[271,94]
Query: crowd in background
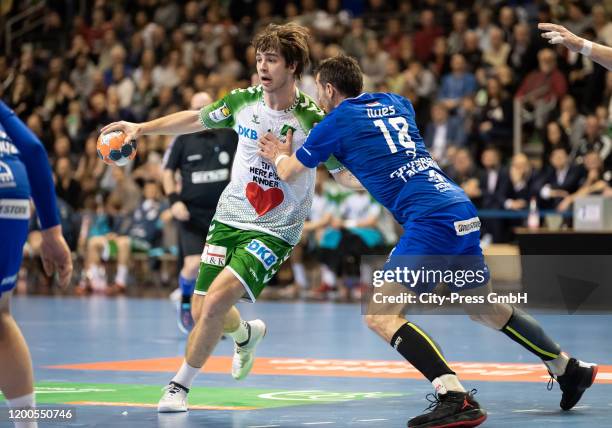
[461,64]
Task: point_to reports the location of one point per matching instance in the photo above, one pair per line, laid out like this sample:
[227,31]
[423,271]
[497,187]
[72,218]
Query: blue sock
[187,285]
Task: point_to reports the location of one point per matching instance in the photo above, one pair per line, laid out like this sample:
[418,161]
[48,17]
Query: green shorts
[137,245]
[252,256]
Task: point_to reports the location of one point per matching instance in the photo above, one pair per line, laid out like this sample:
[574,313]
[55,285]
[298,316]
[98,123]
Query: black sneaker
[577,378]
[453,409]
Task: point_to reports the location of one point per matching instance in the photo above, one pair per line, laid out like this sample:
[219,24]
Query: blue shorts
[14,219]
[445,247]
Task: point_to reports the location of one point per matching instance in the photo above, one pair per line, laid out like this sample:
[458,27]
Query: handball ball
[113,150]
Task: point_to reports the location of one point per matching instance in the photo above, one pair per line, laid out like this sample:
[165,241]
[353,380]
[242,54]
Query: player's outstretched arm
[558,34]
[55,253]
[272,149]
[182,122]
[347,179]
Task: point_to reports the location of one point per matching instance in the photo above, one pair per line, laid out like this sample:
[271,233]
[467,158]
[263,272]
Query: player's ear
[329,90]
[292,67]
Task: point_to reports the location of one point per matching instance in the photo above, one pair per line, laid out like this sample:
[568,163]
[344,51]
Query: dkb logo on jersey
[265,255]
[247,132]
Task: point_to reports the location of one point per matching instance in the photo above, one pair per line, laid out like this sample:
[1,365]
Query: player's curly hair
[289,40]
[343,73]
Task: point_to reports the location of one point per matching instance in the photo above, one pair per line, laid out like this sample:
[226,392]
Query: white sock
[328,276]
[299,274]
[558,365]
[21,402]
[447,382]
[121,277]
[186,375]
[241,334]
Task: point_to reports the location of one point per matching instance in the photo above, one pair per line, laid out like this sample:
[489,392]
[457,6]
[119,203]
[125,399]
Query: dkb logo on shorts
[265,255]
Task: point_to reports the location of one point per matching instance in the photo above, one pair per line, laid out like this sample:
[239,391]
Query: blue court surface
[319,366]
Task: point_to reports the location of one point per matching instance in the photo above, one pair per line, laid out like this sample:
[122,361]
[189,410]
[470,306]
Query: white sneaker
[173,400]
[244,356]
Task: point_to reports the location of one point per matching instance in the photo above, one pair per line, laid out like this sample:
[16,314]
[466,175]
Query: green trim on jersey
[222,113]
[308,115]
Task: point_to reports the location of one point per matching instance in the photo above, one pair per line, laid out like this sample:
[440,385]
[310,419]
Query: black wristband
[173,198]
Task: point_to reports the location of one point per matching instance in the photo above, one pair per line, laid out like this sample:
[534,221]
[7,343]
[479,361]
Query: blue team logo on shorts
[265,255]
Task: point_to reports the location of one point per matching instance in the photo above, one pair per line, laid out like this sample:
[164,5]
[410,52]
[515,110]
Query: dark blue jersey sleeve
[322,141]
[34,157]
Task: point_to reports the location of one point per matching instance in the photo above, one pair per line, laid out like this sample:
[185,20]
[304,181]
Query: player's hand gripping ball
[113,149]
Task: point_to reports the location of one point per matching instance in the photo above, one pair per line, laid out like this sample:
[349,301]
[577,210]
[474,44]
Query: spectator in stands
[498,52]
[457,34]
[458,84]
[463,172]
[520,188]
[89,169]
[228,64]
[554,137]
[440,62]
[374,62]
[419,88]
[123,188]
[144,232]
[523,55]
[66,187]
[496,117]
[354,43]
[99,224]
[494,181]
[424,38]
[139,232]
[395,80]
[443,132]
[560,180]
[602,24]
[22,96]
[541,89]
[507,19]
[471,50]
[376,13]
[571,121]
[597,180]
[593,140]
[352,232]
[483,29]
[122,85]
[167,14]
[578,20]
[518,192]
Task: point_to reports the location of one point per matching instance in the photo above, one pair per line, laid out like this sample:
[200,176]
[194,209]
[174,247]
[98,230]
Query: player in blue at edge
[375,136]
[24,172]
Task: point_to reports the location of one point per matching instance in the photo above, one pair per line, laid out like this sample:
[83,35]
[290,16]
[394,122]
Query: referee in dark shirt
[204,161]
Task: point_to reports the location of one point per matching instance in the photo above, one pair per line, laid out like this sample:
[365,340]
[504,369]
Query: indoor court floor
[319,366]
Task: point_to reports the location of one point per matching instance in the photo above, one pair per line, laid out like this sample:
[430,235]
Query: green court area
[115,394]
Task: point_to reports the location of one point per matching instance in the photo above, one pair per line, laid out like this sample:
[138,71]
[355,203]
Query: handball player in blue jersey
[24,173]
[374,135]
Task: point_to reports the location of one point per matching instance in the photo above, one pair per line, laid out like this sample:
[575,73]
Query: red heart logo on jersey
[264,200]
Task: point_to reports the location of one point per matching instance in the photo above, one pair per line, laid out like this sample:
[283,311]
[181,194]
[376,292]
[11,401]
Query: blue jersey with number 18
[375,137]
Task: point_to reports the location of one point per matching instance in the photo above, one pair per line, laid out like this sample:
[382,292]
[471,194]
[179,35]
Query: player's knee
[5,321]
[123,242]
[215,305]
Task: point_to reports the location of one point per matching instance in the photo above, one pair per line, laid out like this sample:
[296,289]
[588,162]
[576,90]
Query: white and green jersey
[256,198]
